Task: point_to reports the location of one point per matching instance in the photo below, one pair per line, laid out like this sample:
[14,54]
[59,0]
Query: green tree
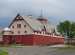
[13,40]
[67,28]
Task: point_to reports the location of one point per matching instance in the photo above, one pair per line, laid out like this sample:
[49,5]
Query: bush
[13,40]
[48,44]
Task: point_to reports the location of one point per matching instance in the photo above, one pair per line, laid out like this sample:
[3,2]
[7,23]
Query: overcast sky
[54,11]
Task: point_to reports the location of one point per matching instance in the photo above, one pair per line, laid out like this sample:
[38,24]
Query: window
[19,26]
[34,31]
[5,37]
[40,32]
[19,17]
[12,32]
[24,26]
[25,31]
[18,32]
[13,27]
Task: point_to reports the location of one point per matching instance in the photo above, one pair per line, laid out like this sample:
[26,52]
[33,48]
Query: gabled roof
[40,17]
[36,25]
[1,29]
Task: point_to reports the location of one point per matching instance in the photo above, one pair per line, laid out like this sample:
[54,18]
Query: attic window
[19,26]
[19,17]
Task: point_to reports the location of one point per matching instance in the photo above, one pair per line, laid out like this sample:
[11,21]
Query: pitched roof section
[32,22]
[40,17]
[1,29]
[36,25]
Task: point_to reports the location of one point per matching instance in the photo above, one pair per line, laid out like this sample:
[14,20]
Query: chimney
[31,16]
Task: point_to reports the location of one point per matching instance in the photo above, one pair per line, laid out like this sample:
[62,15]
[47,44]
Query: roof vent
[31,16]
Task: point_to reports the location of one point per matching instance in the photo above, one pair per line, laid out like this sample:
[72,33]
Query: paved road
[31,50]
[39,51]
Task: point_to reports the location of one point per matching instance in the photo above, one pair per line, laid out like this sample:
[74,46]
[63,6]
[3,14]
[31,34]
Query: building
[71,41]
[29,31]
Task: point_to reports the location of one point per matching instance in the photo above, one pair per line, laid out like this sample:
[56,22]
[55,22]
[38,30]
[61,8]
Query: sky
[54,11]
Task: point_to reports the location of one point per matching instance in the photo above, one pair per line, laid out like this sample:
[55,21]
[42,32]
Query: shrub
[13,40]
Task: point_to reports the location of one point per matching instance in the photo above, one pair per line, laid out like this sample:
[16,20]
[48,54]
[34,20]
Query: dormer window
[19,26]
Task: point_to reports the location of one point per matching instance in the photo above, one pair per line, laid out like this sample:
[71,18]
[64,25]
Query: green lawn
[3,52]
[10,46]
[66,48]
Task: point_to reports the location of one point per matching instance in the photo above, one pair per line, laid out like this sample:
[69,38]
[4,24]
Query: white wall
[22,29]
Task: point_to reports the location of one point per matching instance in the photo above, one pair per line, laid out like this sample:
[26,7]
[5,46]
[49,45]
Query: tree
[13,40]
[67,28]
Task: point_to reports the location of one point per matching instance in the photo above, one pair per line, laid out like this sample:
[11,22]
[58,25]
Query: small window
[13,27]
[24,26]
[12,32]
[40,32]
[34,31]
[19,17]
[18,32]
[5,37]
[25,31]
[19,26]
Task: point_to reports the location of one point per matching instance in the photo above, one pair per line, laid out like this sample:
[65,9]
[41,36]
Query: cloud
[54,10]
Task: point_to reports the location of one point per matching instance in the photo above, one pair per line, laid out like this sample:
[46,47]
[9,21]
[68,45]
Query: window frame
[18,24]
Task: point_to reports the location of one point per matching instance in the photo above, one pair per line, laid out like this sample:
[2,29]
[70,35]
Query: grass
[3,52]
[66,48]
[47,45]
[10,46]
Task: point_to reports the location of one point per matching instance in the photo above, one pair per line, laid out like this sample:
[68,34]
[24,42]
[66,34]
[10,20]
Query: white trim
[40,35]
